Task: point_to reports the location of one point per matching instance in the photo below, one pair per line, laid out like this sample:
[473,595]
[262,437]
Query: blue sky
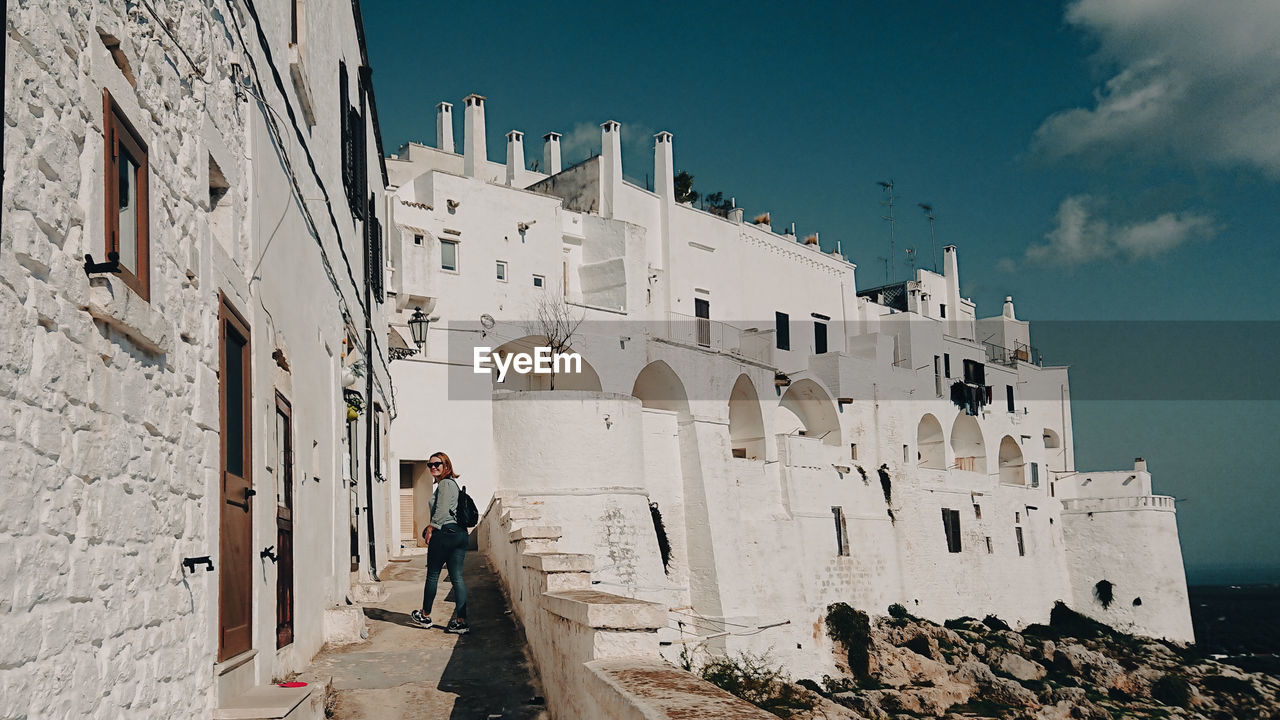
[1099,161]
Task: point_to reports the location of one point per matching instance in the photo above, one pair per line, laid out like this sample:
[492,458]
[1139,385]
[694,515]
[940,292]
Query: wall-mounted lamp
[781,380]
[112,265]
[842,469]
[418,327]
[622,341]
[523,227]
[453,204]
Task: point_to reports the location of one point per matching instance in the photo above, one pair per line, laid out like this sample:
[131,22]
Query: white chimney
[610,166]
[474,154]
[664,182]
[1008,307]
[515,155]
[551,153]
[444,127]
[951,270]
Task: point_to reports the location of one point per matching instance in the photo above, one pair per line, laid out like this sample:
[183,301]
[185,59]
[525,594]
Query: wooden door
[284,522]
[235,530]
[702,309]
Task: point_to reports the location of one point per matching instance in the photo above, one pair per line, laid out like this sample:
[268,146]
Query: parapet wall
[596,653]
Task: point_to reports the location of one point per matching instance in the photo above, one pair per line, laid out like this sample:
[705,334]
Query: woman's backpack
[466,513]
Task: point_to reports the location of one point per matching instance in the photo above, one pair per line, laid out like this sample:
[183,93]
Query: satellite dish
[487,321]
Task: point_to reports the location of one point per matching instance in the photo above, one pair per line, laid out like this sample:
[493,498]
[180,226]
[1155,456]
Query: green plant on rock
[1104,591]
[754,679]
[898,611]
[1172,690]
[852,629]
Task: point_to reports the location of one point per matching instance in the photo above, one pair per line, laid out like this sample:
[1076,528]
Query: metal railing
[716,335]
[1020,352]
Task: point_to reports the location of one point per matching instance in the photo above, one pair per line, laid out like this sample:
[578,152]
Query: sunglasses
[435,464]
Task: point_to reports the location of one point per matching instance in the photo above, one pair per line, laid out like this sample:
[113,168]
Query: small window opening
[853,451]
[539,281]
[417,239]
[842,532]
[946,365]
[989,548]
[951,528]
[1022,549]
[501,271]
[449,255]
[977,511]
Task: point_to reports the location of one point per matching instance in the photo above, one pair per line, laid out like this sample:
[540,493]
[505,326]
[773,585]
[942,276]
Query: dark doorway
[702,309]
[284,522]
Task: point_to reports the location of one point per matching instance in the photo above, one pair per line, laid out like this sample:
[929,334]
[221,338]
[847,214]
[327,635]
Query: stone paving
[405,671]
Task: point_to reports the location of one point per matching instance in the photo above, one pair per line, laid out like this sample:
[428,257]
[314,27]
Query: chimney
[551,153]
[610,166]
[951,271]
[664,183]
[474,154]
[444,127]
[1008,307]
[1139,465]
[515,155]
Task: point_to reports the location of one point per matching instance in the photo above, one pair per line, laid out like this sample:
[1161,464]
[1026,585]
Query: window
[975,373]
[1022,549]
[989,550]
[782,330]
[819,337]
[125,194]
[942,309]
[853,451]
[946,365]
[417,239]
[1035,475]
[1008,394]
[977,511]
[951,527]
[702,311]
[502,270]
[375,265]
[842,533]
[906,453]
[449,255]
[937,375]
[539,281]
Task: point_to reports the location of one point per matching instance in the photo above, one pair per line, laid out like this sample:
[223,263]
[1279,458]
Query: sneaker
[420,619]
[458,627]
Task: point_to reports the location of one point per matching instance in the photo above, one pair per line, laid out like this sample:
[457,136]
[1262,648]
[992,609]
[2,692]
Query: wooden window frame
[782,330]
[457,256]
[117,131]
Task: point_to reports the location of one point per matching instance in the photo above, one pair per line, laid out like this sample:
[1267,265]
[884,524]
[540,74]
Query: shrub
[751,678]
[898,611]
[995,623]
[1104,591]
[1227,685]
[852,629]
[1173,690]
[1068,623]
[960,623]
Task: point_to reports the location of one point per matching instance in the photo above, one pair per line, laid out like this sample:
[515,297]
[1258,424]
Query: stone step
[558,562]
[268,702]
[537,545]
[529,532]
[561,581]
[604,610]
[512,514]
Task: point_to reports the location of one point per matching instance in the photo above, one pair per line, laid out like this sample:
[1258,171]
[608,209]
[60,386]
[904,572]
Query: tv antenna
[911,259]
[928,212]
[887,185]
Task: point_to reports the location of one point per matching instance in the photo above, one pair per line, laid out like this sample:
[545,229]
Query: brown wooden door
[235,529]
[284,522]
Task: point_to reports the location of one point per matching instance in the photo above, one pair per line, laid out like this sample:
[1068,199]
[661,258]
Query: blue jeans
[448,545]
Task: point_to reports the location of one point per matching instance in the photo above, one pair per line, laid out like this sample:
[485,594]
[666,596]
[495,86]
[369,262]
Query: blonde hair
[448,464]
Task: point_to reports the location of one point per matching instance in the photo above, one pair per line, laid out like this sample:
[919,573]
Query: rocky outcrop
[971,669]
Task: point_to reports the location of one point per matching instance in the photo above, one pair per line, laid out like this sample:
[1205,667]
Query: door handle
[248,493]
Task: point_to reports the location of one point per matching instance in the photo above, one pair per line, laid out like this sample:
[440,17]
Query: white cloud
[1079,236]
[1194,81]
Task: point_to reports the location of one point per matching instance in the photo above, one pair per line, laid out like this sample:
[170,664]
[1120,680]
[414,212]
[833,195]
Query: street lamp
[418,327]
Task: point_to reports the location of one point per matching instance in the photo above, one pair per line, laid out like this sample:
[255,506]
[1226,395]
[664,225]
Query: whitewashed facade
[795,461]
[199,412]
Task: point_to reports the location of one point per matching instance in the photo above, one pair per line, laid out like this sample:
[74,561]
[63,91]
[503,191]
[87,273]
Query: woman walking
[446,544]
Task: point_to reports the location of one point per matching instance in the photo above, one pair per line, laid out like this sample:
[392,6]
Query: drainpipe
[365,78]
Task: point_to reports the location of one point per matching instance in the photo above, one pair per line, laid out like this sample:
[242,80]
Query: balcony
[751,344]
[1010,357]
[1133,502]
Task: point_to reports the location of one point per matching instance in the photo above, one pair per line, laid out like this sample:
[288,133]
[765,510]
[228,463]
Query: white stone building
[188,507]
[804,441]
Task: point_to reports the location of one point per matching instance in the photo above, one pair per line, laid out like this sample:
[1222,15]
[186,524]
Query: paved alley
[406,672]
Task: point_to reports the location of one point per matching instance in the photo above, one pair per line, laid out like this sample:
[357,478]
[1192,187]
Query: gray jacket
[444,503]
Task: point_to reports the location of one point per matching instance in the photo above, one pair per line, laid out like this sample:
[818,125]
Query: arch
[1051,439]
[931,444]
[967,444]
[807,408]
[1012,468]
[746,422]
[657,386]
[588,379]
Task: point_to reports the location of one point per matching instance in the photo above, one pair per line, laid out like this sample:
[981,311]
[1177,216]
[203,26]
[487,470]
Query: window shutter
[344,116]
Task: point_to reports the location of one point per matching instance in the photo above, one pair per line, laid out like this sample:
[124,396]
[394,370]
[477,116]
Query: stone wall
[110,402]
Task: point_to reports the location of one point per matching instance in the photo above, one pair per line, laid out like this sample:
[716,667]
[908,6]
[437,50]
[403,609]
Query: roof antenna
[928,212]
[911,259]
[888,185]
